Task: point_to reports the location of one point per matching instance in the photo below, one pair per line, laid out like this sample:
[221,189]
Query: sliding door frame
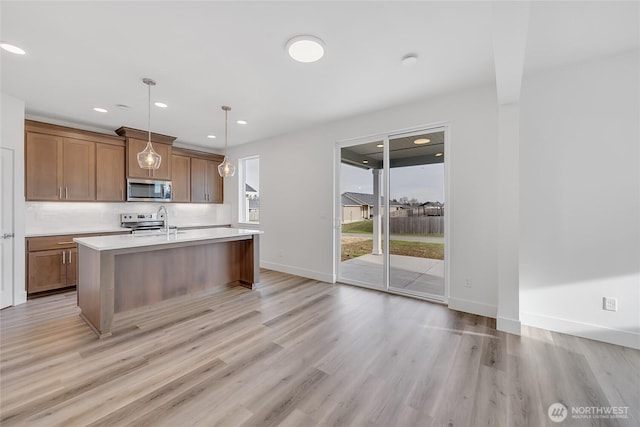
[385,138]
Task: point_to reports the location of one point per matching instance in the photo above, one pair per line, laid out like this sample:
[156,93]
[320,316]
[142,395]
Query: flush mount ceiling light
[439,154]
[305,48]
[421,141]
[148,158]
[241,122]
[380,145]
[100,110]
[365,161]
[160,104]
[211,136]
[409,59]
[226,169]
[11,48]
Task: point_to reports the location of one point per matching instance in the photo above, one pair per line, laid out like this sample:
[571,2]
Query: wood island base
[122,279]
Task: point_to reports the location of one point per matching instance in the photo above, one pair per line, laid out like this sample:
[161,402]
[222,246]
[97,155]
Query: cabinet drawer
[59,242]
[50,243]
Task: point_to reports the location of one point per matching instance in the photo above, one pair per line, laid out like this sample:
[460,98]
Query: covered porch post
[377,212]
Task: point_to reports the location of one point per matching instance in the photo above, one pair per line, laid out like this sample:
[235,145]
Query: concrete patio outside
[422,275]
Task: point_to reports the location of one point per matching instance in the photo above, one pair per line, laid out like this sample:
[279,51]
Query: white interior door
[6,228]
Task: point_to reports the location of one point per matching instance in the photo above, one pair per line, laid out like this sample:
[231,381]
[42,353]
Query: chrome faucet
[162,209]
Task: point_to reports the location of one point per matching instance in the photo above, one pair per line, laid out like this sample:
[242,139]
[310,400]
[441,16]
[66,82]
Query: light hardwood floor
[298,352]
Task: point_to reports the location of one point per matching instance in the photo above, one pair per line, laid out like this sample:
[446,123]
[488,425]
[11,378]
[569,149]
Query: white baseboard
[311,274]
[511,326]
[584,330]
[473,307]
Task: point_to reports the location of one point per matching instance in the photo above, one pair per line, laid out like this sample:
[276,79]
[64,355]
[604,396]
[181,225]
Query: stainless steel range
[143,223]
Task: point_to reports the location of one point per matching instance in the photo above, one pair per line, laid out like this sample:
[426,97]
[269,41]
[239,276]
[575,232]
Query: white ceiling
[206,54]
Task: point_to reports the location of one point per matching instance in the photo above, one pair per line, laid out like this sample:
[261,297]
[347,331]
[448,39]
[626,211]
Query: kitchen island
[123,272]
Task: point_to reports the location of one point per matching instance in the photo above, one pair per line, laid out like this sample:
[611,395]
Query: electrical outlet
[610,304]
[467,282]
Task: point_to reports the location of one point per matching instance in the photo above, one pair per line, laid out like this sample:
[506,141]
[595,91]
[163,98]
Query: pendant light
[148,158]
[226,168]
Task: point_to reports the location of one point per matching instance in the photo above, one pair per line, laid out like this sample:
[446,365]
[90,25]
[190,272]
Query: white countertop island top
[127,241]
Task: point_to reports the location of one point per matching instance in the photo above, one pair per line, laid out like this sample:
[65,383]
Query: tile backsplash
[66,216]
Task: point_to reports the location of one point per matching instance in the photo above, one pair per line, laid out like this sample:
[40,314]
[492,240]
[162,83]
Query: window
[249,190]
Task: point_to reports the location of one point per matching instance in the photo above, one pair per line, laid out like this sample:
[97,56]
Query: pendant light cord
[149,112]
[226,125]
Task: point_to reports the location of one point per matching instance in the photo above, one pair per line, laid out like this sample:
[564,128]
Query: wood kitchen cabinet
[134,146]
[181,178]
[135,141]
[64,164]
[110,182]
[59,168]
[52,263]
[206,183]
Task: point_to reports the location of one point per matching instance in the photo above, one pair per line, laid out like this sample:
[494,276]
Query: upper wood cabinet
[43,164]
[206,183]
[59,168]
[78,170]
[60,163]
[135,141]
[110,182]
[181,178]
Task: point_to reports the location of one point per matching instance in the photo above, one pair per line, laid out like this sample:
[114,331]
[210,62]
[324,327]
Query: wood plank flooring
[298,352]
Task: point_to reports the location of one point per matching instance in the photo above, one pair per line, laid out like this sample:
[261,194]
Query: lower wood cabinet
[52,262]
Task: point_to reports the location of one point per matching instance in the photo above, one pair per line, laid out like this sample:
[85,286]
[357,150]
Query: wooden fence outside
[418,225]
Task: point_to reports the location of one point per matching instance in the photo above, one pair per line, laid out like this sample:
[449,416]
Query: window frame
[242,183]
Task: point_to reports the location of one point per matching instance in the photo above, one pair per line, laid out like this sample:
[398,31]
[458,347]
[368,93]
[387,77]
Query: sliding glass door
[361,200]
[416,214]
[394,243]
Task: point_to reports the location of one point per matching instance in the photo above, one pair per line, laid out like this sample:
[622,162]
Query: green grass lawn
[365,226]
[397,247]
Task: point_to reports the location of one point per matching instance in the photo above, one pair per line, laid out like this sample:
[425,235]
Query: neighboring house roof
[352,199]
[437,204]
[247,187]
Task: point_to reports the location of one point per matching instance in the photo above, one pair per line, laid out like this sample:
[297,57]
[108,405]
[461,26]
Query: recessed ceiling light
[305,48]
[365,161]
[100,110]
[160,104]
[439,154]
[11,48]
[421,141]
[409,59]
[242,122]
[211,136]
[380,145]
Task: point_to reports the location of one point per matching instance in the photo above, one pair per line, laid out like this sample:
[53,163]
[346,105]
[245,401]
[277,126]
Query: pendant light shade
[226,168]
[148,158]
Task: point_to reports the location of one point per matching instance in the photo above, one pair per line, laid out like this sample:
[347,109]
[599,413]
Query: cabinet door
[137,145]
[46,271]
[198,180]
[181,178]
[71,267]
[78,169]
[109,173]
[43,160]
[215,192]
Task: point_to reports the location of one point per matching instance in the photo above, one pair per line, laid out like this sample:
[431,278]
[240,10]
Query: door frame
[385,137]
[7,291]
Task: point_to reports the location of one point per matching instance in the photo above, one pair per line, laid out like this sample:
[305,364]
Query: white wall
[580,199]
[12,137]
[297,200]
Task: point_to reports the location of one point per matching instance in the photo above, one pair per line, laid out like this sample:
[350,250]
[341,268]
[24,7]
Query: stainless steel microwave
[148,190]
